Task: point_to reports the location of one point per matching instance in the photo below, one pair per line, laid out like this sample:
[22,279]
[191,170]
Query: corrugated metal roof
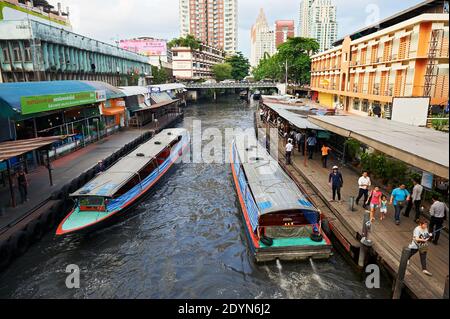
[109,182]
[421,147]
[298,120]
[134,90]
[169,86]
[16,148]
[272,189]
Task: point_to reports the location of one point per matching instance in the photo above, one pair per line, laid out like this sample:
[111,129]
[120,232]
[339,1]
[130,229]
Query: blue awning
[11,93]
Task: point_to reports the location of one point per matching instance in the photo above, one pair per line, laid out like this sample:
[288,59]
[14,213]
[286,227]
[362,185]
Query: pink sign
[146,47]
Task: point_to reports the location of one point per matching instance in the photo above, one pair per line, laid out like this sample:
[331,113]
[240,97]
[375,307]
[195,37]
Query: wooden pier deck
[389,239]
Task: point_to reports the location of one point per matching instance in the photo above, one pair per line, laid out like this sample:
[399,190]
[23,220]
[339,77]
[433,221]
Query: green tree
[240,66]
[222,71]
[296,53]
[189,41]
[159,75]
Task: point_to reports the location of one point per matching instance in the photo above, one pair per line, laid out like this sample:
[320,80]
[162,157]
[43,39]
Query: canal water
[185,241]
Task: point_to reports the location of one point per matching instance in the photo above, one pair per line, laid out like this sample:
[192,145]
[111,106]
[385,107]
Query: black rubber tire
[49,218]
[35,229]
[65,192]
[326,226]
[19,242]
[90,174]
[316,237]
[5,254]
[267,241]
[73,186]
[80,181]
[56,195]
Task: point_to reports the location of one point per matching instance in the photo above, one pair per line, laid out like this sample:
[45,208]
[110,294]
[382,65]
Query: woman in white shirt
[419,244]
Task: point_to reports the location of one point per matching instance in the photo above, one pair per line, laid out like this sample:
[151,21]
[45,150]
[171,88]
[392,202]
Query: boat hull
[129,206]
[263,253]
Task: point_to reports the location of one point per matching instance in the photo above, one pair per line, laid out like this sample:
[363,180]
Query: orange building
[405,55]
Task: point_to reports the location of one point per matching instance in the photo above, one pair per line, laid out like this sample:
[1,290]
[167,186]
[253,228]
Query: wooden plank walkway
[389,239]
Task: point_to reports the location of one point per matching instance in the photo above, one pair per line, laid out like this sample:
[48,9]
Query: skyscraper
[284,29]
[318,21]
[262,39]
[214,22]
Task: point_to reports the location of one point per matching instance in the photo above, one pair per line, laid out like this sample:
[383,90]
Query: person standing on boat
[419,244]
[289,148]
[336,181]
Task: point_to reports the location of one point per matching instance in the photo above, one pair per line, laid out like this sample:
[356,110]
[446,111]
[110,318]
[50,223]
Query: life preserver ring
[316,237]
[35,229]
[5,254]
[19,243]
[267,241]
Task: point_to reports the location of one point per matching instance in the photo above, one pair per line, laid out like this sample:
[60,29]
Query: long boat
[279,220]
[121,187]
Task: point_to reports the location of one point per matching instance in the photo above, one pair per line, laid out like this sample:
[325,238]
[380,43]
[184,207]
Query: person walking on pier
[399,198]
[416,199]
[289,148]
[364,184]
[438,213]
[375,202]
[22,183]
[336,181]
[261,115]
[298,141]
[325,153]
[312,142]
[419,244]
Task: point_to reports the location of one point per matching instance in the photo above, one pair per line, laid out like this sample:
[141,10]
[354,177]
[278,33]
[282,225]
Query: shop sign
[427,180]
[45,103]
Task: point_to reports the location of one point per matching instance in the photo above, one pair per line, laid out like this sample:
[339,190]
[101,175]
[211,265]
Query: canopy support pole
[11,186]
[49,167]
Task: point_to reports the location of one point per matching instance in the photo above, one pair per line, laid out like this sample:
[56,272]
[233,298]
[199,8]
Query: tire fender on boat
[5,254]
[326,226]
[316,237]
[267,241]
[19,242]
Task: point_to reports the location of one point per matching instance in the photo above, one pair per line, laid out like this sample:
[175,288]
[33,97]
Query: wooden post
[398,285]
[445,296]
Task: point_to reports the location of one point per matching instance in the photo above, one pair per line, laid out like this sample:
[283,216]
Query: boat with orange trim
[120,188]
[279,220]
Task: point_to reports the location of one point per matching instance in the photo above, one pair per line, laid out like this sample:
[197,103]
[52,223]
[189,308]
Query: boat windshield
[92,203]
[289,224]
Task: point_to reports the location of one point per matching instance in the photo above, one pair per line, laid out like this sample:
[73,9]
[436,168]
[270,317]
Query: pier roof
[11,94]
[424,148]
[294,115]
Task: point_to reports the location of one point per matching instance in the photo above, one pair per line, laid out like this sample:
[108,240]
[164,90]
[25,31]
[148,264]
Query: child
[383,206]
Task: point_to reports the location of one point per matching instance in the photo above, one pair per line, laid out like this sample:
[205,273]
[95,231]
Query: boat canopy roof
[112,180]
[272,188]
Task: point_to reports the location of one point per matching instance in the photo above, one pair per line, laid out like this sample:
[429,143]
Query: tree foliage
[160,75]
[240,66]
[189,41]
[222,71]
[296,52]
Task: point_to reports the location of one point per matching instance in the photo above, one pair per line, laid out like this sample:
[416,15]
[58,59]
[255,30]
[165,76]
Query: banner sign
[147,47]
[45,103]
[427,180]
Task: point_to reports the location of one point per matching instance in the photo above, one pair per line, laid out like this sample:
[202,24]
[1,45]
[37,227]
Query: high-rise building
[262,39]
[318,21]
[213,22]
[284,29]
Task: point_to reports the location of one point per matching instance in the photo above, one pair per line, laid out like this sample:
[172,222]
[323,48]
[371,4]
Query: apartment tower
[214,22]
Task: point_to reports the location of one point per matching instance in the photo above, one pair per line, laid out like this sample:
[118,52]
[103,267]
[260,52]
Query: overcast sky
[110,20]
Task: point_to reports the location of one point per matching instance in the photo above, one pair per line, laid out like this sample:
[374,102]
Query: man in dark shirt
[336,182]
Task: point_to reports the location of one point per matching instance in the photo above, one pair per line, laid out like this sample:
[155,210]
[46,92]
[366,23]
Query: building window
[6,57]
[27,52]
[17,55]
[365,106]
[356,104]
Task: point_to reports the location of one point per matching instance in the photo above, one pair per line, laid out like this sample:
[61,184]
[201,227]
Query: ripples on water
[185,241]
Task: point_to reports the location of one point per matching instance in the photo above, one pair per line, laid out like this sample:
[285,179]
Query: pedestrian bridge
[237,85]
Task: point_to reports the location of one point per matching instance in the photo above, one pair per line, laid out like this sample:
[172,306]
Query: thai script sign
[148,47]
[45,103]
